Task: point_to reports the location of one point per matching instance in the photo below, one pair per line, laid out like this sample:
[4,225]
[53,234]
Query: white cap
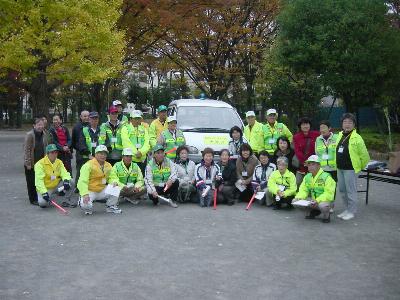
[313,158]
[136,114]
[101,148]
[271,111]
[250,113]
[171,118]
[127,151]
[117,102]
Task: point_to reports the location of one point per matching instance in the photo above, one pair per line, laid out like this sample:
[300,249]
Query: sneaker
[348,216]
[313,214]
[88,212]
[173,204]
[342,214]
[113,209]
[331,211]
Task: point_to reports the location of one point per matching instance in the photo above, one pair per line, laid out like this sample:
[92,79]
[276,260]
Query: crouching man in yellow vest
[319,187]
[93,181]
[49,171]
[127,175]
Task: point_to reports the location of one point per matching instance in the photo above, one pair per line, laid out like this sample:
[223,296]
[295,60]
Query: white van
[205,123]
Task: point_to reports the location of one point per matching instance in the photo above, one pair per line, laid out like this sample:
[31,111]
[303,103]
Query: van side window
[172,111]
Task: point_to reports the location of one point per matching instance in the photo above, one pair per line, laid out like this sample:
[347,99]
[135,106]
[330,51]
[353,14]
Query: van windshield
[206,118]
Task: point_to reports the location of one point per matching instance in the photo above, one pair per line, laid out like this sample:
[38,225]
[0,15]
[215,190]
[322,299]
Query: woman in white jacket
[185,168]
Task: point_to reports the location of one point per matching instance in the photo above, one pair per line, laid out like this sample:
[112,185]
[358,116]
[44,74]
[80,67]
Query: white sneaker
[113,209]
[343,214]
[88,212]
[348,216]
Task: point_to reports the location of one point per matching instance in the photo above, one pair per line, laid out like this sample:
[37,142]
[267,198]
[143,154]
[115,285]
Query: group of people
[154,159]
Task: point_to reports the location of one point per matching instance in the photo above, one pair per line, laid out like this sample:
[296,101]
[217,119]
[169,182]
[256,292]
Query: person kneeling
[282,184]
[319,187]
[161,178]
[92,183]
[227,192]
[128,176]
[185,168]
[49,171]
[262,172]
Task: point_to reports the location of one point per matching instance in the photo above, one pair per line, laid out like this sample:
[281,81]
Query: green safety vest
[271,135]
[172,143]
[327,153]
[88,140]
[115,139]
[319,187]
[137,136]
[160,175]
[126,176]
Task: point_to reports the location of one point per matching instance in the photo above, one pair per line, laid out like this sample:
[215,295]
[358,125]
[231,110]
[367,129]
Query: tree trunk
[38,90]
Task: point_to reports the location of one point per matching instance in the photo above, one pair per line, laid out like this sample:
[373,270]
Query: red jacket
[300,142]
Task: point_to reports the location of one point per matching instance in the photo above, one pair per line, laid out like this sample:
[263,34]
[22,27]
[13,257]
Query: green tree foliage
[53,42]
[350,44]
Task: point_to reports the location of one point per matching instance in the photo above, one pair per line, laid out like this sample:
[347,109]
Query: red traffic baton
[215,198]
[171,150]
[62,210]
[251,201]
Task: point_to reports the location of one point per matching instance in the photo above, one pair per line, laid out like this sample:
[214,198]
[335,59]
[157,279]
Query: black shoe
[62,193]
[327,220]
[35,203]
[277,207]
[289,206]
[313,214]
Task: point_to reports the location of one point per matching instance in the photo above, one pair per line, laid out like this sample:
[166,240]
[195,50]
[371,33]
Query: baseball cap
[116,102]
[313,158]
[127,151]
[271,111]
[112,109]
[162,108]
[136,114]
[158,147]
[101,148]
[250,113]
[50,148]
[171,118]
[93,114]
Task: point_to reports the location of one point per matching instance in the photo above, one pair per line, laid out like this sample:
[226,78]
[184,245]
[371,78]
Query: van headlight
[193,150]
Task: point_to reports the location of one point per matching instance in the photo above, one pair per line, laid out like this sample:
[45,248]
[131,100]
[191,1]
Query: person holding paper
[227,192]
[245,165]
[351,157]
[135,136]
[319,186]
[206,173]
[161,178]
[49,171]
[93,181]
[185,168]
[127,175]
[110,132]
[171,138]
[262,172]
[282,185]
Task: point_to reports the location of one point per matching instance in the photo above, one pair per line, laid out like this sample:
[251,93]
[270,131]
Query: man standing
[158,125]
[253,132]
[89,138]
[49,171]
[76,132]
[136,137]
[93,181]
[111,131]
[127,175]
[320,187]
[171,138]
[121,117]
[161,177]
[273,130]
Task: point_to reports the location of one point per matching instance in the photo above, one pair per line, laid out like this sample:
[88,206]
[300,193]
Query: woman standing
[62,139]
[304,146]
[284,149]
[245,165]
[226,181]
[34,150]
[351,157]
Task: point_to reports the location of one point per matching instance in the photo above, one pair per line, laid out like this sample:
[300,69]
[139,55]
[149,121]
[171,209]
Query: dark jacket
[229,176]
[288,155]
[54,136]
[82,147]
